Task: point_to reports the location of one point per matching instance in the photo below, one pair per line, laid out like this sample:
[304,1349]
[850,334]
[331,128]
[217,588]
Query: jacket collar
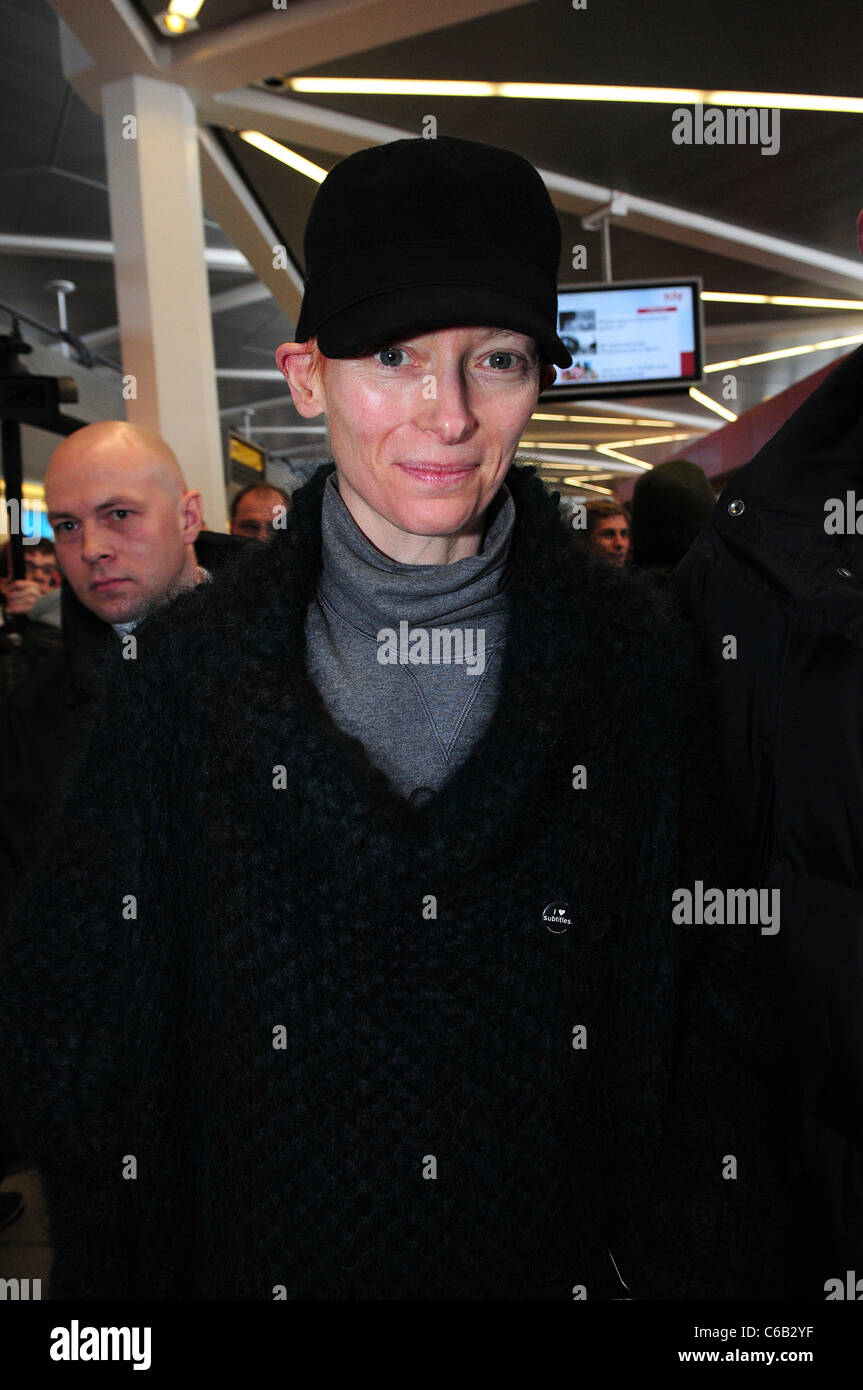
[772,513]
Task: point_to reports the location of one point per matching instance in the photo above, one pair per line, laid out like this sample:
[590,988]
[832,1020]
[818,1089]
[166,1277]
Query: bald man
[125,524]
[128,538]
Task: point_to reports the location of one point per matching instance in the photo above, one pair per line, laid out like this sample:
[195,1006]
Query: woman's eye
[390,356]
[502,360]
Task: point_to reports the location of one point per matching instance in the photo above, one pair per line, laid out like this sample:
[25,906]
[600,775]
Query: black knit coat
[278,1033]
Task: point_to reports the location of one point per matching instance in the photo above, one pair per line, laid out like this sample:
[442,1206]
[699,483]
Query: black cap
[422,234]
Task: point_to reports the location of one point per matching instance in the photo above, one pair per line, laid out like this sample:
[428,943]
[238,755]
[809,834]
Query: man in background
[257,509]
[29,621]
[608,530]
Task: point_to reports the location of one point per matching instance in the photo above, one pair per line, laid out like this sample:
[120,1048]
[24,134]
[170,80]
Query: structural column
[163,302]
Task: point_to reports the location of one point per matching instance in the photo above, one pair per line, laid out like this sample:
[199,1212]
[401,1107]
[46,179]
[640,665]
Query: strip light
[711,404]
[788,301]
[786,352]
[551,444]
[588,487]
[624,458]
[605,420]
[568,91]
[284,155]
[548,465]
[657,439]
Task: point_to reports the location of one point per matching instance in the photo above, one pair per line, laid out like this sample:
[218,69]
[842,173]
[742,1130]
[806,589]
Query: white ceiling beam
[266,403]
[111,40]
[290,120]
[310,33]
[238,298]
[249,373]
[669,222]
[228,198]
[87,249]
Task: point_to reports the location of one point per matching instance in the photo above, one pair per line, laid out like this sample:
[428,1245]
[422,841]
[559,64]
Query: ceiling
[53,172]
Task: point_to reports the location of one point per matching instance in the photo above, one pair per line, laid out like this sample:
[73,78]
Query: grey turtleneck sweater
[407,657]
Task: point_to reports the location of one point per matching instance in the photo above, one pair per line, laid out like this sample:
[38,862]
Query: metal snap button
[736,507]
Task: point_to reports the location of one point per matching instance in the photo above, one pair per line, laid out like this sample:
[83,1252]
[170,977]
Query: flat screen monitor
[629,338]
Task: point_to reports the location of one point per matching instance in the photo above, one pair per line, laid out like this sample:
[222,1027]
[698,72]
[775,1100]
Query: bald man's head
[124,522]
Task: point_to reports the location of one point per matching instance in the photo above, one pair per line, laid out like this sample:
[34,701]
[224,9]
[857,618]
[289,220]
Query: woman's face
[423,432]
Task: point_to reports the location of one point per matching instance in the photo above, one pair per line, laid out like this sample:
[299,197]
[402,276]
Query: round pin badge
[557,918]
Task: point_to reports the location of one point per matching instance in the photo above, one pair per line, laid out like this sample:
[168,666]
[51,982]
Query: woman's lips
[102,584]
[438,475]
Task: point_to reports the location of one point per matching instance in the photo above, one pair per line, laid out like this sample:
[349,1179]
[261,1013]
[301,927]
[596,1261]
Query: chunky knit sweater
[270,1031]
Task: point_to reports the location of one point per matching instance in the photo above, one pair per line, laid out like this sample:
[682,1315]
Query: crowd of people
[434,902]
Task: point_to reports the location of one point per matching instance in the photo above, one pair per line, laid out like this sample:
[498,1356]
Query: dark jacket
[24,648]
[45,719]
[767,575]
[332,1033]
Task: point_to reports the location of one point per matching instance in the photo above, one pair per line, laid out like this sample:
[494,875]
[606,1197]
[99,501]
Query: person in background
[127,539]
[670,504]
[28,631]
[18,596]
[775,583]
[608,530]
[258,510]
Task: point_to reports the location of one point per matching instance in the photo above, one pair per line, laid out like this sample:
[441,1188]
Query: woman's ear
[547,375]
[296,362]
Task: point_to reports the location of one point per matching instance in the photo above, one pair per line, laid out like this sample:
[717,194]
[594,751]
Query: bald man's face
[123,526]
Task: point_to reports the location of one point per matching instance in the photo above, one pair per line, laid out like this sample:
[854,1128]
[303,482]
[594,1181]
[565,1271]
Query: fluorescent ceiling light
[551,444]
[786,352]
[392,87]
[188,9]
[788,301]
[624,458]
[568,91]
[589,487]
[547,463]
[657,439]
[284,155]
[605,420]
[179,17]
[711,404]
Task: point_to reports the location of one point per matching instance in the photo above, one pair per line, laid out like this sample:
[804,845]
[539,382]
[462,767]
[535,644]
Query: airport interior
[159,160]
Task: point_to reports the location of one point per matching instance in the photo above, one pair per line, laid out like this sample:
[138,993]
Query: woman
[365,952]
